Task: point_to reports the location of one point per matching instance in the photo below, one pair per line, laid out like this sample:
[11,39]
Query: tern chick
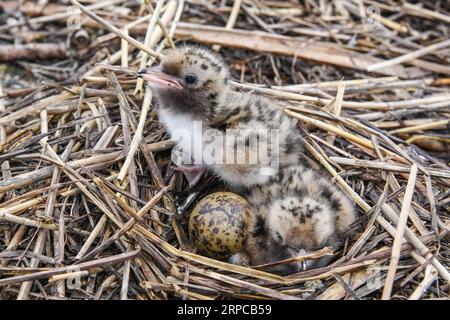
[245,137]
[296,212]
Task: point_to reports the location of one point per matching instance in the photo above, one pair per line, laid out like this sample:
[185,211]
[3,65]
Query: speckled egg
[218,224]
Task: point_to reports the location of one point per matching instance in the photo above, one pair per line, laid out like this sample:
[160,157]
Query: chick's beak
[155,76]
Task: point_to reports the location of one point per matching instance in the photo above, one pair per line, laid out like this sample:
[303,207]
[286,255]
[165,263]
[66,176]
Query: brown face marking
[170,68]
[260,229]
[294,212]
[302,219]
[336,205]
[279,237]
[217,67]
[326,193]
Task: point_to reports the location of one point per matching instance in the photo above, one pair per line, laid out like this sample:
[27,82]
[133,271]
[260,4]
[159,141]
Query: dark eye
[190,78]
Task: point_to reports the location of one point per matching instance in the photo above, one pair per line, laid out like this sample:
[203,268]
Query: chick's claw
[193,174]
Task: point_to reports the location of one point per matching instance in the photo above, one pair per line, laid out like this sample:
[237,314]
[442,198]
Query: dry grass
[87,190]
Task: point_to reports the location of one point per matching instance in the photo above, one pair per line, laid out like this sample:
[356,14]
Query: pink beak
[155,76]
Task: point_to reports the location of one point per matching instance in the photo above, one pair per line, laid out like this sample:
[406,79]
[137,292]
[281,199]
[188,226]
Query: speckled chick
[192,86]
[297,211]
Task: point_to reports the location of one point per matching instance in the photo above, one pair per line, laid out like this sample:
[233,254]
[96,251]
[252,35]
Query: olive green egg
[218,224]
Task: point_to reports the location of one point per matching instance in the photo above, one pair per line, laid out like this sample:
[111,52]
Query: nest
[91,208]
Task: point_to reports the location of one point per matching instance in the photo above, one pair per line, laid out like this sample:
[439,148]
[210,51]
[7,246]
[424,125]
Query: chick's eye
[190,78]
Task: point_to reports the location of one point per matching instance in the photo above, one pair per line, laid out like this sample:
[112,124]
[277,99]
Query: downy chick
[241,137]
[296,212]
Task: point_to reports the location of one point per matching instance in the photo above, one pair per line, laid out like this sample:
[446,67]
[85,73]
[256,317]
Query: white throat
[185,130]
